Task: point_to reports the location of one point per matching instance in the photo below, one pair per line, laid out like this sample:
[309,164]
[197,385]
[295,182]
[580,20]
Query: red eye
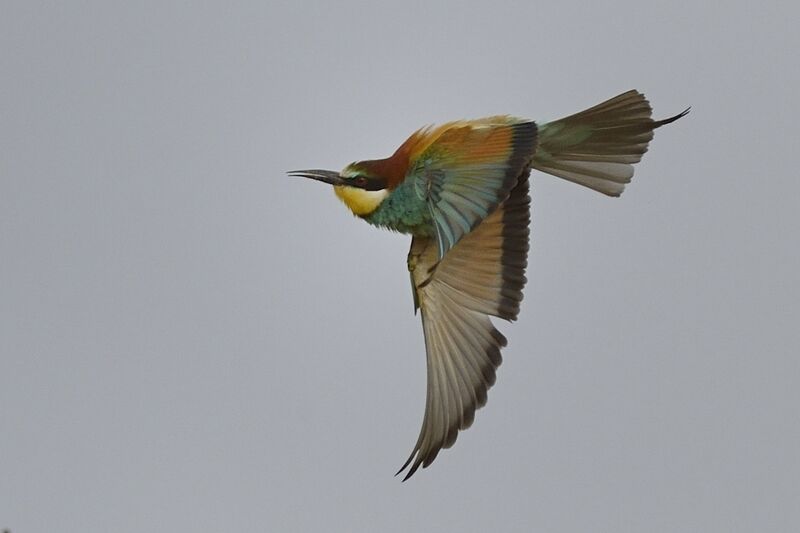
[361,181]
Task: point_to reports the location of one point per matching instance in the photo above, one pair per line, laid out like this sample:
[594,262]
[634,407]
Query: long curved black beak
[325,176]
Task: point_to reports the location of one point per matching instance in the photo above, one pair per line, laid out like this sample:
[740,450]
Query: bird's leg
[419,245]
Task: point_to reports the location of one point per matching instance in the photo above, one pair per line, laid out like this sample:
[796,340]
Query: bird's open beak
[326,176]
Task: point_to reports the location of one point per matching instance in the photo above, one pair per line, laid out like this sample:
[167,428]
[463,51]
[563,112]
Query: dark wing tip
[413,468]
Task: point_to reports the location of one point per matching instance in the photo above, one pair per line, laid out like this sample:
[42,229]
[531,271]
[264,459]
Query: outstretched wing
[482,275]
[468,170]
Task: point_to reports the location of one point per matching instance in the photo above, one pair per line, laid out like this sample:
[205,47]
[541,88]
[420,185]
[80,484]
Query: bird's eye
[361,181]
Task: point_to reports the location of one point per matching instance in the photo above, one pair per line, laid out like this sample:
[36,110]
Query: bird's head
[360,185]
[364,185]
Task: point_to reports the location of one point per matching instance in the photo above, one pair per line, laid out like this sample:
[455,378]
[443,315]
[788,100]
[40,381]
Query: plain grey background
[192,341]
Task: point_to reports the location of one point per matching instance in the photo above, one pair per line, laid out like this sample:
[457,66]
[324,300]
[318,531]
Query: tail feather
[597,147]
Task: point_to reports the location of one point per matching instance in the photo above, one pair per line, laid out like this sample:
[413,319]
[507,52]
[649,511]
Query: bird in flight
[461,191]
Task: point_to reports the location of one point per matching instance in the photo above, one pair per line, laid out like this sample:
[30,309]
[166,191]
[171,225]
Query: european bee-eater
[461,191]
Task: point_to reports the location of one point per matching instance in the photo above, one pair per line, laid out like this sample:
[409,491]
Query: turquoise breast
[404,211]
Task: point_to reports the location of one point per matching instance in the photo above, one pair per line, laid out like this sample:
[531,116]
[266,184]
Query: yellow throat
[359,201]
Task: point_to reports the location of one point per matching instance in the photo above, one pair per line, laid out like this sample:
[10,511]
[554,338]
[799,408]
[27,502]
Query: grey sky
[192,341]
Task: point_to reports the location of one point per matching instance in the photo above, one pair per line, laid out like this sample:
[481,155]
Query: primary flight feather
[461,191]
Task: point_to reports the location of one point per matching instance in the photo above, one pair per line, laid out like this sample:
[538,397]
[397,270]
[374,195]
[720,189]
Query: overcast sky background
[192,341]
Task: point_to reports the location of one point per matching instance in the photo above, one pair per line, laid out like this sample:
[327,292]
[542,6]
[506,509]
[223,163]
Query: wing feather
[482,275]
[470,169]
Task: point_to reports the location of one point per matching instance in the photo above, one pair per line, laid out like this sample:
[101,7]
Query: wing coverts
[469,170]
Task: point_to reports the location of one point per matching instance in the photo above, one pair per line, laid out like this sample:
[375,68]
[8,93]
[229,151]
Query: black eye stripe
[368,183]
